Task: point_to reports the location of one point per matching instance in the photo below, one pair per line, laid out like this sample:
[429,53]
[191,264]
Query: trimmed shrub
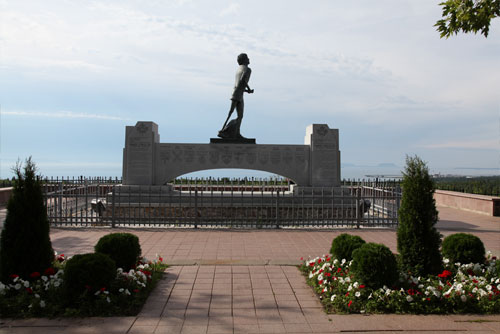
[88,272]
[344,245]
[25,245]
[463,248]
[374,265]
[418,240]
[123,248]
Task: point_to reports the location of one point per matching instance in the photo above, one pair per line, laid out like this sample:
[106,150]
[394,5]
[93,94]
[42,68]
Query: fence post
[359,213]
[113,207]
[277,208]
[196,207]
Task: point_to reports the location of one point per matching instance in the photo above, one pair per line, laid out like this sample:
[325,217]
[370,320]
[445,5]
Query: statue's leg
[231,110]
[239,109]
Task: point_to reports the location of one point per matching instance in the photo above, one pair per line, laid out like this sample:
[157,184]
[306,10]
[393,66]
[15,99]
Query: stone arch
[146,161]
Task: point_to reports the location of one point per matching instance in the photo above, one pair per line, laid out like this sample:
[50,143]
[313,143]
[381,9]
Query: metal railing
[211,205]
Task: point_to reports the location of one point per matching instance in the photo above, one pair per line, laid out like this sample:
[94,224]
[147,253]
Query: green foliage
[123,248]
[467,16]
[482,185]
[25,245]
[463,248]
[374,265]
[417,238]
[88,273]
[344,245]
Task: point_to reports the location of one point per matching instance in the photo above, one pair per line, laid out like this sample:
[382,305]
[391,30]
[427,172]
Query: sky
[74,74]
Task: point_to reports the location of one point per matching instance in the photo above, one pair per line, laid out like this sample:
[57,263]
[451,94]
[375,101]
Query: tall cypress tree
[417,237]
[25,245]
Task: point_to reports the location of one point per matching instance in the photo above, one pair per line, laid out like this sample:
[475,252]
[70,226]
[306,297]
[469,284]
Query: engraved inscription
[213,156]
[263,157]
[275,156]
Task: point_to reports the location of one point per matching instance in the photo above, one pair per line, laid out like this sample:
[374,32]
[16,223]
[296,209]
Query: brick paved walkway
[243,282]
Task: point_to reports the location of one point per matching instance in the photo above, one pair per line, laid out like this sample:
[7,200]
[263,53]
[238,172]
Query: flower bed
[42,293]
[460,288]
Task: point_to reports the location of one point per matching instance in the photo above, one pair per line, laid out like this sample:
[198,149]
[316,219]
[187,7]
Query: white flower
[370,296]
[356,285]
[463,298]
[121,290]
[446,261]
[348,279]
[45,278]
[57,283]
[488,287]
[26,284]
[357,294]
[350,287]
[42,303]
[436,293]
[98,292]
[108,300]
[343,261]
[459,287]
[127,292]
[106,292]
[409,298]
[427,293]
[311,275]
[420,286]
[333,297]
[37,295]
[16,279]
[17,286]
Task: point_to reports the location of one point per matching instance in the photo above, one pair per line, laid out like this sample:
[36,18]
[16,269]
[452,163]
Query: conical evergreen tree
[418,240]
[25,245]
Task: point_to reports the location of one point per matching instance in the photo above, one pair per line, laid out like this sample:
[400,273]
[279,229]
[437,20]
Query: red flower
[35,274]
[328,275]
[14,276]
[29,290]
[301,259]
[350,303]
[49,271]
[428,299]
[311,264]
[136,290]
[347,294]
[103,289]
[445,274]
[339,270]
[362,286]
[319,261]
[161,259]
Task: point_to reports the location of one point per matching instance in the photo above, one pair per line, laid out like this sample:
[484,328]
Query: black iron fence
[209,203]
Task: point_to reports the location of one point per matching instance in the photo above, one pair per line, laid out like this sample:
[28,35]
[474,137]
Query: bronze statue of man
[232,130]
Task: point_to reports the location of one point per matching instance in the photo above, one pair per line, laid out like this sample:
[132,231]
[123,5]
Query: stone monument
[146,161]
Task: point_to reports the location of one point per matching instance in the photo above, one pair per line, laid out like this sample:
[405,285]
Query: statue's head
[243,59]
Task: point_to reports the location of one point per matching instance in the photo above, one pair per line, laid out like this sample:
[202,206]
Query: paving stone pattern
[239,281]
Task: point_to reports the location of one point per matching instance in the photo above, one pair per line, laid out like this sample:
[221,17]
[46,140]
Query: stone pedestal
[146,161]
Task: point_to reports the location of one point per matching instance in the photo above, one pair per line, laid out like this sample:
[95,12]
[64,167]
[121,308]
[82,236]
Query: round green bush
[123,248]
[374,265]
[91,272]
[463,248]
[344,245]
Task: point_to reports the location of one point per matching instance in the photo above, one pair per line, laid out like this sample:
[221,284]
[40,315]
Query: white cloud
[230,10]
[465,144]
[62,114]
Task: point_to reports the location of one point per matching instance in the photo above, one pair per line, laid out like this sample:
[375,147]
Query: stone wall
[487,205]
